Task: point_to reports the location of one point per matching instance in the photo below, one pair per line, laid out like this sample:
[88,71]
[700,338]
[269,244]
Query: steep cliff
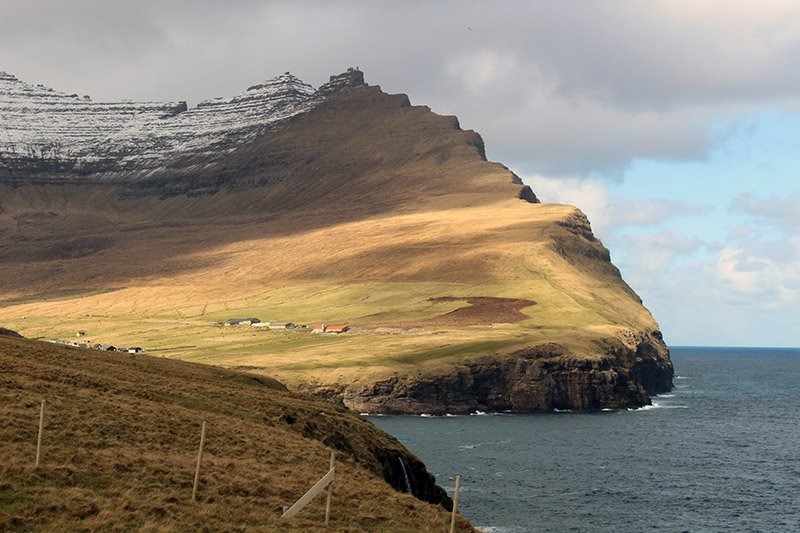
[337,205]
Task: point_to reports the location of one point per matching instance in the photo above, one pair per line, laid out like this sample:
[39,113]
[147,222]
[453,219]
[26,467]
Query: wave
[657,405]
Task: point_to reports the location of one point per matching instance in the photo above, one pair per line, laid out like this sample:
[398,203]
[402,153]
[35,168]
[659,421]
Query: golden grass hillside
[365,211]
[120,445]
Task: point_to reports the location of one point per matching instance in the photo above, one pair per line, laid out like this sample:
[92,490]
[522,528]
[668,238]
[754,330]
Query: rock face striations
[338,205]
[45,131]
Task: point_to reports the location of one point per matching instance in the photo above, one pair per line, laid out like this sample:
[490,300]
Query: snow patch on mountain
[46,130]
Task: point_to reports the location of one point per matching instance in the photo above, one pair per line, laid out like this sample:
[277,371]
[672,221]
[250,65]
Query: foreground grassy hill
[365,211]
[120,446]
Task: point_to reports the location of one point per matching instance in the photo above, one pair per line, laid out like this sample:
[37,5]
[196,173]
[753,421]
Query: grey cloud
[568,88]
[782,212]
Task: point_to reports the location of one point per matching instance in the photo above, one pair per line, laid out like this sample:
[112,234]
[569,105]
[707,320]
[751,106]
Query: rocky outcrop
[539,379]
[9,333]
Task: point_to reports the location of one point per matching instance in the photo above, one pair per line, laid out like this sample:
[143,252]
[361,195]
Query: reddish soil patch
[481,310]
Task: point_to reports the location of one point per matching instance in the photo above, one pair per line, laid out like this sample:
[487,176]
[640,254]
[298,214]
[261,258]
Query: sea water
[721,452]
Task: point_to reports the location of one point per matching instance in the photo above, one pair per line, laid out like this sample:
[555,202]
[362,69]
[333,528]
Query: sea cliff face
[539,379]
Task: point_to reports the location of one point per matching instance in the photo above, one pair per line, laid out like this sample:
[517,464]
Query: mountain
[120,442]
[343,205]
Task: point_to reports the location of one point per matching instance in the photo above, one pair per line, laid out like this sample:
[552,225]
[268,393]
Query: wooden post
[455,504]
[199,460]
[39,440]
[318,487]
[330,491]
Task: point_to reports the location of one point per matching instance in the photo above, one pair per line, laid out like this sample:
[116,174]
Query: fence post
[330,491]
[455,504]
[39,440]
[199,460]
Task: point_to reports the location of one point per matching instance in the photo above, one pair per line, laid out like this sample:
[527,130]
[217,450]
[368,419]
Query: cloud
[609,211]
[564,89]
[781,212]
[483,69]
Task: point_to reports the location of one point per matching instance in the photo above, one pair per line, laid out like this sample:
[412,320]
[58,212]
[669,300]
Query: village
[89,345]
[255,323]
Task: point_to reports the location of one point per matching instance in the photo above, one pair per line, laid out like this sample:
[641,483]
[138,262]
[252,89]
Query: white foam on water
[562,410]
[479,413]
[658,405]
[500,529]
[427,415]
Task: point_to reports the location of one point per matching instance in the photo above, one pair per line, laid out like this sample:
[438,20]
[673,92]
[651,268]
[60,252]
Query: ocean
[721,452]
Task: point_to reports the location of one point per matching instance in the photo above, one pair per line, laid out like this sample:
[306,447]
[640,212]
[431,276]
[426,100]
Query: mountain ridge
[61,133]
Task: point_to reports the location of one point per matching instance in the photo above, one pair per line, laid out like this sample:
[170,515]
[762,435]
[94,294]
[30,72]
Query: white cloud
[610,211]
[476,71]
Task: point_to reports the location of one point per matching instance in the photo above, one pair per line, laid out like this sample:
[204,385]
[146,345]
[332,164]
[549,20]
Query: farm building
[325,328]
[281,325]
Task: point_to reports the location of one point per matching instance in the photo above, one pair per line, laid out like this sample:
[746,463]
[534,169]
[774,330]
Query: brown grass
[120,444]
[480,310]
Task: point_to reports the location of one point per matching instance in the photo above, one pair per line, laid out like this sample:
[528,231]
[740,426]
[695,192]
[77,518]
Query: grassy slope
[371,208]
[121,439]
[366,283]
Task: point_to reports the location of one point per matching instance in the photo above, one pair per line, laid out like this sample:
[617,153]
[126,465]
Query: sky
[674,125]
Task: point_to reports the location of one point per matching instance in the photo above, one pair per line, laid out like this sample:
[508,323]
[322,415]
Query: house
[135,349]
[319,328]
[281,325]
[241,321]
[260,325]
